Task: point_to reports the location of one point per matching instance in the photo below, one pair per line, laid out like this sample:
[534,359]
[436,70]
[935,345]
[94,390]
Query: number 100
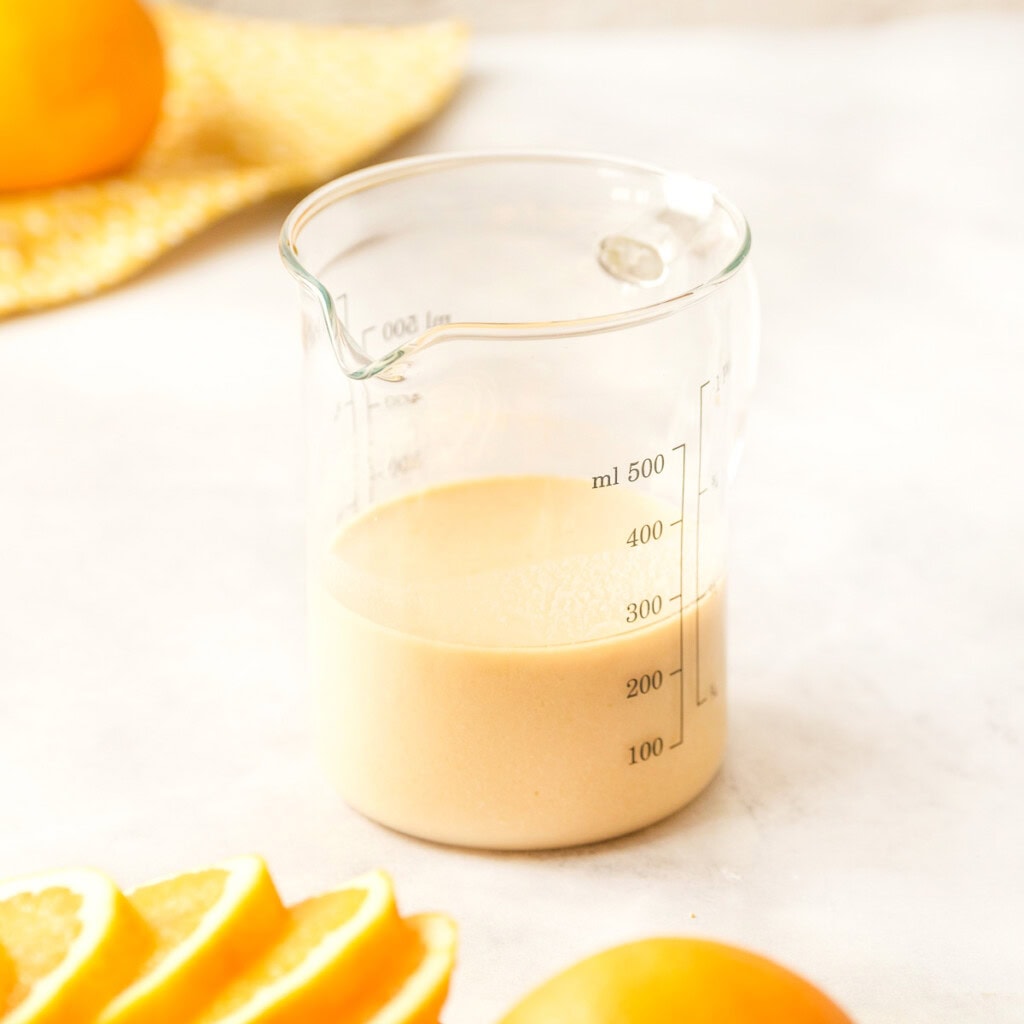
[646,750]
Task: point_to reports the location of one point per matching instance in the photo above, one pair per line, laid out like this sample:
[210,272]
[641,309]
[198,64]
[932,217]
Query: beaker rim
[409,167]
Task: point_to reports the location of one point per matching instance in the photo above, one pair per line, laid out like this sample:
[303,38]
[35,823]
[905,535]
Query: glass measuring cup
[526,378]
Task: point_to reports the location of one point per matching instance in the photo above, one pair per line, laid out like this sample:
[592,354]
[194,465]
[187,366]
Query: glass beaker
[526,378]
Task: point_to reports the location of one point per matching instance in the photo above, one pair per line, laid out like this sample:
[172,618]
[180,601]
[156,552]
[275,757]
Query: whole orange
[676,981]
[81,82]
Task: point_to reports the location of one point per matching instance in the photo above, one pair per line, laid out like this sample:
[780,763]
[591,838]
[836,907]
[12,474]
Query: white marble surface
[868,827]
[493,15]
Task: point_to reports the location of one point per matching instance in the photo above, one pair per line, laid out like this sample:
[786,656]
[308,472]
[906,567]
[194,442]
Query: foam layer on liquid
[506,562]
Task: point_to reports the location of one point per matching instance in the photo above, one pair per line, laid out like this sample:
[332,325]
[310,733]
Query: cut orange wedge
[332,947]
[417,979]
[206,926]
[72,941]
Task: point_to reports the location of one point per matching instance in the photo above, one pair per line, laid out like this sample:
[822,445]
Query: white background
[867,828]
[514,15]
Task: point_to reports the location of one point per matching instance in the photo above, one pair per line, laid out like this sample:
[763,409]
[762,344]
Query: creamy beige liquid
[480,680]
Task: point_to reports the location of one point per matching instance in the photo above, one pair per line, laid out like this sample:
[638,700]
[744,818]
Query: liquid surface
[505,562]
[497,665]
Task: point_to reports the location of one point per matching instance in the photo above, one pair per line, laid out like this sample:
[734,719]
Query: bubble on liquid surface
[629,260]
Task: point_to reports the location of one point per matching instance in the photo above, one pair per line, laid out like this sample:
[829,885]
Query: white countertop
[868,827]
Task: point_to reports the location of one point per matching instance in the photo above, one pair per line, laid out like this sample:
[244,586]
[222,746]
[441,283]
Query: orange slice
[418,975]
[73,941]
[206,925]
[332,948]
[7,978]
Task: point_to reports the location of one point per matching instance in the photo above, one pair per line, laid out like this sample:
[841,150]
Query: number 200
[639,685]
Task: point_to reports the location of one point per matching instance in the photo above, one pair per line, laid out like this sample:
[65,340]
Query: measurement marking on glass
[700,490]
[682,604]
[640,610]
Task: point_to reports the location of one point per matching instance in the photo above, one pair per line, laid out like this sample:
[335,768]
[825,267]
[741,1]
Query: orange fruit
[81,82]
[72,939]
[666,981]
[206,926]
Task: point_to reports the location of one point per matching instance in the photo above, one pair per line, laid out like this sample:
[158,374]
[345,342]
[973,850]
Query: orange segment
[332,947]
[72,939]
[206,925]
[416,984]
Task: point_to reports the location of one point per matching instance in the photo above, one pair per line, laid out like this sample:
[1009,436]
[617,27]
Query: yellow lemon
[669,981]
[72,940]
[206,926]
[81,83]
